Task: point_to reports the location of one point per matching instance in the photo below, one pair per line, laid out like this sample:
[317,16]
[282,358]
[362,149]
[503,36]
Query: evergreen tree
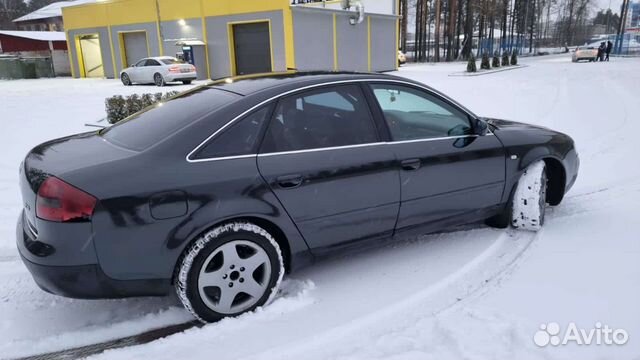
[484,64]
[505,58]
[10,10]
[471,64]
[496,60]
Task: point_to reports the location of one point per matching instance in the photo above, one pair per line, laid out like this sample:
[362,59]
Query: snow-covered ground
[477,293]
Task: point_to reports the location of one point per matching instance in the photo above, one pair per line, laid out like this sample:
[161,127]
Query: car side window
[413,114]
[151,62]
[239,139]
[327,117]
[141,62]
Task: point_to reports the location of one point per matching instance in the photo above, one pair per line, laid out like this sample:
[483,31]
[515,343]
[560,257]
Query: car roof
[283,81]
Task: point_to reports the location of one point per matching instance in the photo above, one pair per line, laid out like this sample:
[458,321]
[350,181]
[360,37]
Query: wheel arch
[556,174]
[557,179]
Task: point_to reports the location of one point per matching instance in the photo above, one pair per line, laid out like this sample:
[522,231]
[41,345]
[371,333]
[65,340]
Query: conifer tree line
[447,30]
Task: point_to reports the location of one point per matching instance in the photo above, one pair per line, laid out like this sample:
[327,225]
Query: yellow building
[233,37]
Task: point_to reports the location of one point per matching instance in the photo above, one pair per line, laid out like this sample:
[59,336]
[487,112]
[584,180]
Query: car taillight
[193,68]
[174,69]
[61,202]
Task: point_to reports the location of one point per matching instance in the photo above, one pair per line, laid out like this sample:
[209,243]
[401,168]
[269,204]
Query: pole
[621,29]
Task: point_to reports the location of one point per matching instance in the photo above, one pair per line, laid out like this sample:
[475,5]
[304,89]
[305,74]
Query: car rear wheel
[126,81]
[232,269]
[158,80]
[530,198]
[186,82]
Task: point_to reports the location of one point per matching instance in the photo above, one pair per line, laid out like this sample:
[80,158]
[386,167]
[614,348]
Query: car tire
[231,269]
[186,82]
[126,81]
[158,80]
[530,198]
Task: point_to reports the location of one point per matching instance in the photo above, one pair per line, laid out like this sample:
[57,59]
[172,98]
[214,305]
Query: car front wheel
[232,269]
[126,81]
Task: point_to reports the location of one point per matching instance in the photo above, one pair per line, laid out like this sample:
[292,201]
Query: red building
[30,41]
[37,44]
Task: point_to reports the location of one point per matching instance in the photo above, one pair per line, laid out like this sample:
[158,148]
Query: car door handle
[410,164]
[289,181]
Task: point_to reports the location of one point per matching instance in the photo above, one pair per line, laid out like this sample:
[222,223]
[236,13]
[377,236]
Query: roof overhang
[189,42]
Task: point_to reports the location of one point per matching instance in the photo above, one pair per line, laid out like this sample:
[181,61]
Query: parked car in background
[158,70]
[220,190]
[584,53]
[402,58]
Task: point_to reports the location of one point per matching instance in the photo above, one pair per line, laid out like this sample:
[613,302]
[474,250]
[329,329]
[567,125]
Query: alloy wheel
[234,277]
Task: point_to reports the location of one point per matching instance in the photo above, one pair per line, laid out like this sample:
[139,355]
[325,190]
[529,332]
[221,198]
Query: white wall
[386,7]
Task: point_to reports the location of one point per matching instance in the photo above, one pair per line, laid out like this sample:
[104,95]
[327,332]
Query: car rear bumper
[86,281]
[89,282]
[180,77]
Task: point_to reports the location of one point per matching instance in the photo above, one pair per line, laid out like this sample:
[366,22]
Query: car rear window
[171,61]
[149,127]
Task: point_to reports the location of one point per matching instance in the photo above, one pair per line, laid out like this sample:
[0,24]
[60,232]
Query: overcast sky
[604,4]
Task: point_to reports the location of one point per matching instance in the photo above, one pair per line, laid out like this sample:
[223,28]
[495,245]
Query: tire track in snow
[86,351]
[499,261]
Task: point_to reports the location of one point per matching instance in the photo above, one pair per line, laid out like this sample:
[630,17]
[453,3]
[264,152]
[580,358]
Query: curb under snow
[511,67]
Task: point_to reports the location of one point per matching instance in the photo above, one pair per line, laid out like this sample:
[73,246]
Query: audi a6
[219,191]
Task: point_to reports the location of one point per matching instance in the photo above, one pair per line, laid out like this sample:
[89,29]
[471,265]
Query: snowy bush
[471,64]
[484,63]
[514,58]
[116,109]
[505,58]
[496,60]
[119,107]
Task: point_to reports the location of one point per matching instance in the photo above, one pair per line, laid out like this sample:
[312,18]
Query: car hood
[517,133]
[502,124]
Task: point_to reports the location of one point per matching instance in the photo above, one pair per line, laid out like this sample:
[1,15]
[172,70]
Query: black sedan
[222,189]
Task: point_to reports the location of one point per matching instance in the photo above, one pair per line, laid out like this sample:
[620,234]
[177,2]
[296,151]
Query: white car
[585,53]
[402,58]
[158,70]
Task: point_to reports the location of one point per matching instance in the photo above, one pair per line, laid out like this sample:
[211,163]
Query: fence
[25,68]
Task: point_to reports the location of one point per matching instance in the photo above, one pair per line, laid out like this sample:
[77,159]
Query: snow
[527,199]
[474,293]
[37,35]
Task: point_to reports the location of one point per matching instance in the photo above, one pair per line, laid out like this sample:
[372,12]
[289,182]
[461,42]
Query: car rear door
[447,171]
[150,68]
[323,159]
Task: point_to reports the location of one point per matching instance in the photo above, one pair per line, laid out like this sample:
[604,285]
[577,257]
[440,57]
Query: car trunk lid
[61,158]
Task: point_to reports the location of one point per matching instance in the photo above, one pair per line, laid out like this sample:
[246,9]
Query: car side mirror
[481,127]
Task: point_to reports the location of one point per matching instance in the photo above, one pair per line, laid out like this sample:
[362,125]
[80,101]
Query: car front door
[323,159]
[448,171]
[135,71]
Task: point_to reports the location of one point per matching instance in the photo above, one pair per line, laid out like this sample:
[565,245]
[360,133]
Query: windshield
[171,61]
[155,124]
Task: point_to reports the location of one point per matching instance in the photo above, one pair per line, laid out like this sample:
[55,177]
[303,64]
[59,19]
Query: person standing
[601,50]
[607,51]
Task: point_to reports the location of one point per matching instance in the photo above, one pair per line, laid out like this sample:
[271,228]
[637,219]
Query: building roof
[37,35]
[51,10]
